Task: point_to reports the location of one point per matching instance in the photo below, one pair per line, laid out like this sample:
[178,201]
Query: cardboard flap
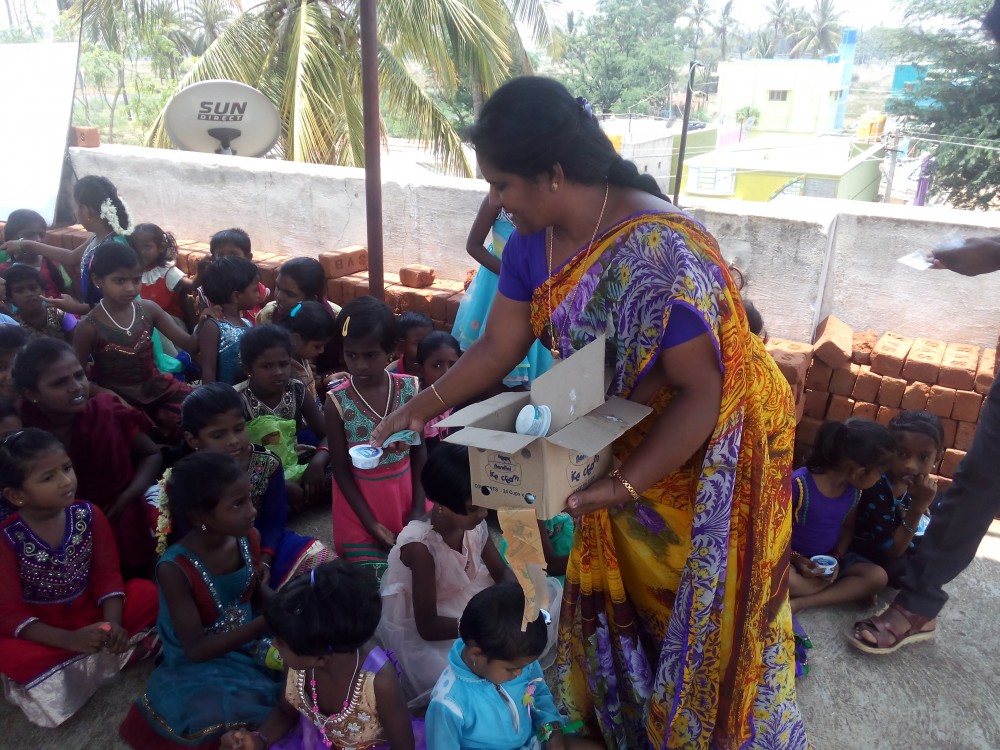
[573,386]
[493,413]
[601,427]
[494,440]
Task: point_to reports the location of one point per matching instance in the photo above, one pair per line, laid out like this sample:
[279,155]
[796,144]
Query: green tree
[698,16]
[625,56]
[764,43]
[722,28]
[305,56]
[957,107]
[820,33]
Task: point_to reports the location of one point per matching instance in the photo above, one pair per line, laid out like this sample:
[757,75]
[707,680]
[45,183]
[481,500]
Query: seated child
[26,226]
[68,624]
[213,675]
[28,307]
[438,564]
[162,281]
[890,512]
[118,334]
[435,355]
[340,692]
[230,284]
[12,340]
[413,327]
[212,419]
[234,242]
[848,458]
[492,695]
[114,458]
[312,327]
[276,408]
[303,280]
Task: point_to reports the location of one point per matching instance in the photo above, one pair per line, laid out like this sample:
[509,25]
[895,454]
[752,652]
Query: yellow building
[764,167]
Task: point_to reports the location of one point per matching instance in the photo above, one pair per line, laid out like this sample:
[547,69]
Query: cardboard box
[513,470]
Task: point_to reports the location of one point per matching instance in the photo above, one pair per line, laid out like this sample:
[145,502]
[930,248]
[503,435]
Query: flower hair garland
[164,523]
[110,215]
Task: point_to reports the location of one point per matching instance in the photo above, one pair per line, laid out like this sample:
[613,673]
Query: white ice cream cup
[826,562]
[365,456]
[533,420]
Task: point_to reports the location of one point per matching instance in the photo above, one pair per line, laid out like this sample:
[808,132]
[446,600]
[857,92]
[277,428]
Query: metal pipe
[694,65]
[373,146]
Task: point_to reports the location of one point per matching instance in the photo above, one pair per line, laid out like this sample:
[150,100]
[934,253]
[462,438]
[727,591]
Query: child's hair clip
[347,322]
[295,310]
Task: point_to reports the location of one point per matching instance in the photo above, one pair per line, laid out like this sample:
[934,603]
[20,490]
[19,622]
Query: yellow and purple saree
[675,628]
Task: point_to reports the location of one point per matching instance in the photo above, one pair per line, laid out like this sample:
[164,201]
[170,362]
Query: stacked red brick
[888,374]
[416,287]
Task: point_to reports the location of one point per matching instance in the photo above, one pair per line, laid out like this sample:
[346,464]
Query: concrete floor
[942,695]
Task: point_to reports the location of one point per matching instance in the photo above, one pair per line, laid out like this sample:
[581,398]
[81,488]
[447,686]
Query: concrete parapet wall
[803,258]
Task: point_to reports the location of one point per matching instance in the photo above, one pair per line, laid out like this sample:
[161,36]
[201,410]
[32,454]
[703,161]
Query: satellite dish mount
[225,136]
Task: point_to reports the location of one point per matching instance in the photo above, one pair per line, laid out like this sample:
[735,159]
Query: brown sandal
[888,636]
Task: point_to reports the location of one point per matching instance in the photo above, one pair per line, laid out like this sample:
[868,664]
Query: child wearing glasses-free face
[75,602]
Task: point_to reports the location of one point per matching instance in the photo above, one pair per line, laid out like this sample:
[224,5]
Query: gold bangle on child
[617,475]
[435,390]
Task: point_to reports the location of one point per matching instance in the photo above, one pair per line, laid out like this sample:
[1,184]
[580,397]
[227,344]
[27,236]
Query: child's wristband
[546,730]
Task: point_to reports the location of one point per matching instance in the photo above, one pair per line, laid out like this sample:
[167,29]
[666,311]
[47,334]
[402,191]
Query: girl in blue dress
[475,307]
[212,585]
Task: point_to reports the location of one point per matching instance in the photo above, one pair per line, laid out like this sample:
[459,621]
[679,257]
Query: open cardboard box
[512,470]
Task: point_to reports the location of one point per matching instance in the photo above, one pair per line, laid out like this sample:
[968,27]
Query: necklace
[555,342]
[388,400]
[321,724]
[128,329]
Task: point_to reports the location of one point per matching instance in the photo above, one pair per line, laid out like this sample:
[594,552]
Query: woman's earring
[204,527]
[555,186]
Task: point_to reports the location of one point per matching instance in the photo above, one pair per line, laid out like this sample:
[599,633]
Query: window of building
[836,96]
[777,95]
[709,180]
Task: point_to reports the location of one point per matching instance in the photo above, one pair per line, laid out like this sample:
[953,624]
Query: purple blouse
[524,268]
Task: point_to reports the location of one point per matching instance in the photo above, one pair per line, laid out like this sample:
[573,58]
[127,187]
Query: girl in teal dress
[213,677]
[475,307]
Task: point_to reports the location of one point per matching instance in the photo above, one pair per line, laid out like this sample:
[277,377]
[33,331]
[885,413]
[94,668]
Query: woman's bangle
[435,390]
[322,448]
[906,526]
[458,626]
[617,475]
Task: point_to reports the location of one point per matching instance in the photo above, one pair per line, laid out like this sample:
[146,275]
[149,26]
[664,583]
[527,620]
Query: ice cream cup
[533,420]
[365,456]
[826,562]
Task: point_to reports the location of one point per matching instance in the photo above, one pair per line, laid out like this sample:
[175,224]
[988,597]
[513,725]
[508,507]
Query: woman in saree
[675,629]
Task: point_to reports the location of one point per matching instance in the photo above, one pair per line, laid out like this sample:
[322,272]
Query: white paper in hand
[917,260]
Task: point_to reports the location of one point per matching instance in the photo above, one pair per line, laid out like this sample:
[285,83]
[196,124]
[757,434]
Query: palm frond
[403,98]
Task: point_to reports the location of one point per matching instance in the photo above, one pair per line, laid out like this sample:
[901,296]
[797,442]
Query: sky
[859,13]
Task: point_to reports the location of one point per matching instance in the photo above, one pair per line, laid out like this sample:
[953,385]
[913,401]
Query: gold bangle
[617,474]
[435,390]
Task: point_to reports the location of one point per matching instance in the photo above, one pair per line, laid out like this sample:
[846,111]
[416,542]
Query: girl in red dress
[68,623]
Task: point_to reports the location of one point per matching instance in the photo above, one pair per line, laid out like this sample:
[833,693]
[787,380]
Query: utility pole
[692,67]
[893,156]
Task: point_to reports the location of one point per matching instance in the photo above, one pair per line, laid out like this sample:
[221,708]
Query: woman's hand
[603,493]
[811,569]
[403,418]
[89,639]
[973,257]
[313,477]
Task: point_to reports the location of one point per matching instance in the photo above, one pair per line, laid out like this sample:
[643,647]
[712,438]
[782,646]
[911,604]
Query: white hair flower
[110,216]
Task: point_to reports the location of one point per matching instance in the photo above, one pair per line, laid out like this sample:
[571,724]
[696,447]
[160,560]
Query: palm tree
[305,56]
[722,27]
[820,34]
[764,43]
[698,18]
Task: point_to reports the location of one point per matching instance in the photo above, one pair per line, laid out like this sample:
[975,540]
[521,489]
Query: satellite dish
[222,117]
